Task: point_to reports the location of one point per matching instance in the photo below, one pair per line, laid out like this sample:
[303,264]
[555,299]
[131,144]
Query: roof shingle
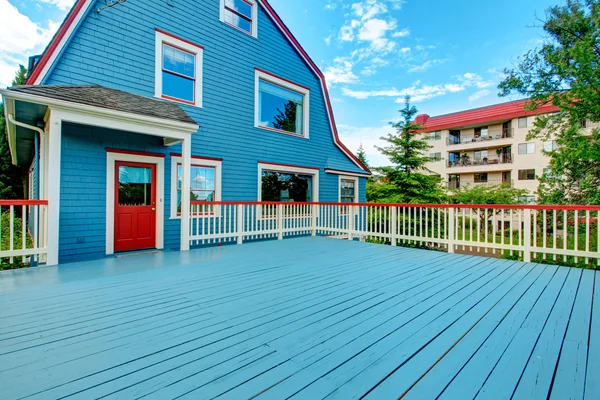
[112,99]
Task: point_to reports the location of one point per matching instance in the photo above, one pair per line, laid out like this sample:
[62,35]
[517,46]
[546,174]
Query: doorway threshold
[137,253]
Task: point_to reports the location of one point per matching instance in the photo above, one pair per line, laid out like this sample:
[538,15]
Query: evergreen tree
[362,156]
[408,180]
[565,71]
[21,77]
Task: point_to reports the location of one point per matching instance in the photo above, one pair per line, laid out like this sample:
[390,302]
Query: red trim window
[203,186]
[178,69]
[178,74]
[239,14]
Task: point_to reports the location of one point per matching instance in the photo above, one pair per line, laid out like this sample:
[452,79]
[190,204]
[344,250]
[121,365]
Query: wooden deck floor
[304,318]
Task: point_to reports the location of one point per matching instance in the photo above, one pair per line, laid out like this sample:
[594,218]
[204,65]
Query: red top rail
[23,203]
[457,206]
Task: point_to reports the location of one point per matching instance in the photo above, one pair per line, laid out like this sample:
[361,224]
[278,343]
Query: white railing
[561,234]
[22,237]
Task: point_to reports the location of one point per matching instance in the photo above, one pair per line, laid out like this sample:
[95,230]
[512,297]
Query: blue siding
[115,48]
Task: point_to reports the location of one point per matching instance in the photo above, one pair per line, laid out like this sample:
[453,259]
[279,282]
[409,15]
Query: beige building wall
[498,168]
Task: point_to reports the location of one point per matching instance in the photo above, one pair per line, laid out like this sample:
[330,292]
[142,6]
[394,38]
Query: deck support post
[350,223]
[279,221]
[394,226]
[186,166]
[527,235]
[451,230]
[240,223]
[53,189]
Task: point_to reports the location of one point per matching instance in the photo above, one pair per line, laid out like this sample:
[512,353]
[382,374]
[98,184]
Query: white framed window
[287,183]
[205,176]
[348,192]
[437,135]
[241,15]
[523,122]
[550,146]
[280,105]
[527,148]
[178,69]
[433,157]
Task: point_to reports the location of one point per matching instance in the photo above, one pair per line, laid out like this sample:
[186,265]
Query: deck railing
[499,134]
[560,234]
[22,237]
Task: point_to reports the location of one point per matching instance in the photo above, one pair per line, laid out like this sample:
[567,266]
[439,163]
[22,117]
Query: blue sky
[448,55]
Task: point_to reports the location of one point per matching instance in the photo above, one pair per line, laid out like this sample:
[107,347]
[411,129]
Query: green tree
[408,180]
[565,71]
[362,156]
[286,119]
[12,178]
[482,194]
[21,77]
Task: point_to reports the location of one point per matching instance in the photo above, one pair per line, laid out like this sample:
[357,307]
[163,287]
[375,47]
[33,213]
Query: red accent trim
[496,206]
[511,110]
[53,45]
[5,203]
[198,157]
[192,103]
[137,153]
[288,165]
[179,38]
[283,79]
[334,171]
[266,128]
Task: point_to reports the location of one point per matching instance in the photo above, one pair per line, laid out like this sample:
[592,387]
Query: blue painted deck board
[307,317]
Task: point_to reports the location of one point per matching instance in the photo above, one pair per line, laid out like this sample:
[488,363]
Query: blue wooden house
[136,109]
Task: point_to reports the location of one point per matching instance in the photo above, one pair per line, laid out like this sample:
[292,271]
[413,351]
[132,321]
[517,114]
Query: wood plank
[592,383]
[569,379]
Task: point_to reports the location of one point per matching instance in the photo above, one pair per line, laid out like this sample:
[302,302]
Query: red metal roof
[504,111]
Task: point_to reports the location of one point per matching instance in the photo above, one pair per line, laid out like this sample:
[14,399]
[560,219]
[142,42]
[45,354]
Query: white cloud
[479,95]
[403,33]
[328,40]
[471,79]
[20,37]
[64,5]
[340,72]
[368,137]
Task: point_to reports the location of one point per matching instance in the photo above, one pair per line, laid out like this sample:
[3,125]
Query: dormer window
[240,14]
[178,69]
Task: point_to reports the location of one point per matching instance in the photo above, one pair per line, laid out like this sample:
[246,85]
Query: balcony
[494,182]
[492,135]
[486,161]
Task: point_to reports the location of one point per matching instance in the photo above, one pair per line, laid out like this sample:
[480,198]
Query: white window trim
[196,162]
[290,170]
[254,18]
[111,159]
[356,187]
[261,75]
[158,59]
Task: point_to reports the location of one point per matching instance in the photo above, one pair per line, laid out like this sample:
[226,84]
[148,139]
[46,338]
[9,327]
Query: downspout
[13,121]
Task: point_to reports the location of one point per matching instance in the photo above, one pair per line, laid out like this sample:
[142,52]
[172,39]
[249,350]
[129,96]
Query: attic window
[240,14]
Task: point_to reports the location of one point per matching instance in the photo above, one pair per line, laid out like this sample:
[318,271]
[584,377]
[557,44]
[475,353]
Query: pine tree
[408,180]
[362,156]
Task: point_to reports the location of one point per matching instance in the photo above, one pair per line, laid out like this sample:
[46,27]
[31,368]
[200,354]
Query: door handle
[153,209]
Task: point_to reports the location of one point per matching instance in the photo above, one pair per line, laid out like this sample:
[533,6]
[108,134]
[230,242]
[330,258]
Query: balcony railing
[556,234]
[22,233]
[491,135]
[493,182]
[470,162]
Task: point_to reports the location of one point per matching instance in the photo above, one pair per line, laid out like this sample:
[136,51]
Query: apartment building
[488,146]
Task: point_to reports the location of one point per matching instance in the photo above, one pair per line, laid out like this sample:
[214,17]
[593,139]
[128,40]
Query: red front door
[135,206]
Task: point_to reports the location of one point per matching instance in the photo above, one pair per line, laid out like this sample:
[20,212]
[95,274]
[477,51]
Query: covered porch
[40,117]
[307,317]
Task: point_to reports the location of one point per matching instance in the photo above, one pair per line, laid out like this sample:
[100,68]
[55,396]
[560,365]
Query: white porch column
[53,186]
[186,165]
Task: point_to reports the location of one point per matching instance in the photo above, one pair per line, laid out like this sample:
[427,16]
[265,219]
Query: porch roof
[112,99]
